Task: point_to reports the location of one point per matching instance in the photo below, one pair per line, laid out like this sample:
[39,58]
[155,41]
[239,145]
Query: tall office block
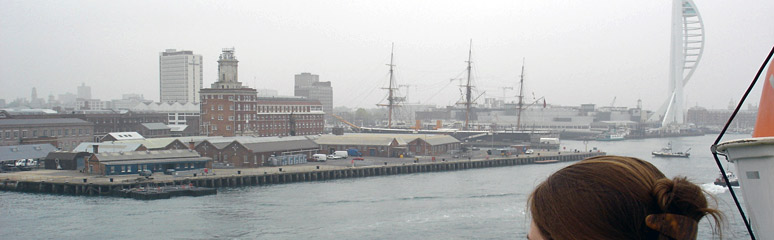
[309,86]
[180,76]
[84,91]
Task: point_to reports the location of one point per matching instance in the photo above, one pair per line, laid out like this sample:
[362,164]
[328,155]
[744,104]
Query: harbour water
[487,203]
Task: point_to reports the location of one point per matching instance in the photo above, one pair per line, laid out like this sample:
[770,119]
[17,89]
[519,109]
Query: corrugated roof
[280,146]
[222,142]
[146,155]
[42,121]
[33,151]
[359,139]
[107,147]
[438,139]
[151,143]
[381,139]
[169,160]
[157,143]
[64,155]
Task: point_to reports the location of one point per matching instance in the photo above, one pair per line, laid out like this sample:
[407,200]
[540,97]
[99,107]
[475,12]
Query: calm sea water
[472,204]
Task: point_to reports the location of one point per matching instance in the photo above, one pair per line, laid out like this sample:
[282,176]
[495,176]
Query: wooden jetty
[255,179]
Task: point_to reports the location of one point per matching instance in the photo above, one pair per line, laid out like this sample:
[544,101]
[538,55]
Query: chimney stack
[191,145]
[96,148]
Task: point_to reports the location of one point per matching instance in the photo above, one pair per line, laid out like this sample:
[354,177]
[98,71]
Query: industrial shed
[157,161]
[63,160]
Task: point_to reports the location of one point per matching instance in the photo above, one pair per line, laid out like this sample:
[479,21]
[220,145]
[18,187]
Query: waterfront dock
[76,183]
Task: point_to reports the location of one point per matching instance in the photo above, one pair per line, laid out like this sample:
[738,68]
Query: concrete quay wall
[256,179]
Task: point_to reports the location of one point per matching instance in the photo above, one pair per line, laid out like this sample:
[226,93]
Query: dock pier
[85,188]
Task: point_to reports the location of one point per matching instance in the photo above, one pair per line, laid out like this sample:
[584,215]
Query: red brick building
[229,109]
[228,112]
[289,117]
[247,152]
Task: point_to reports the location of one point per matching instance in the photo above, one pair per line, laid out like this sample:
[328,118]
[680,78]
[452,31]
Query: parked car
[169,172]
[529,151]
[358,158]
[146,173]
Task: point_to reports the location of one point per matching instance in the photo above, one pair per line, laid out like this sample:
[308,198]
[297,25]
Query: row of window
[230,97]
[273,126]
[153,167]
[14,134]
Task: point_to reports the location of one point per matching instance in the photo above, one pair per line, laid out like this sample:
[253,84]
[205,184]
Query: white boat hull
[754,161]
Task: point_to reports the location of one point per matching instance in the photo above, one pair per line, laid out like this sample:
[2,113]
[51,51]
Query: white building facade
[180,76]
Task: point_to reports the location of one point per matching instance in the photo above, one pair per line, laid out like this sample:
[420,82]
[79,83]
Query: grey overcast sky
[576,51]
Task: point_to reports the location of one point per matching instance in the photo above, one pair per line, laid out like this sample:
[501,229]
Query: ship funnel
[754,161]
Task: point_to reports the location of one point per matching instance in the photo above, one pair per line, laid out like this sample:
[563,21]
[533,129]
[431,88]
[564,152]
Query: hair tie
[673,225]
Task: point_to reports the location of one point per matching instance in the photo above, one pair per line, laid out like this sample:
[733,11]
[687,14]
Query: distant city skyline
[576,52]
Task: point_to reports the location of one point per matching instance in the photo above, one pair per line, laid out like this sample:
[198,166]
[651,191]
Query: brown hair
[610,197]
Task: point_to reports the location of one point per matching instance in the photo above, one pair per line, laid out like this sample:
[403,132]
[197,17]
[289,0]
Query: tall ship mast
[521,96]
[468,90]
[391,100]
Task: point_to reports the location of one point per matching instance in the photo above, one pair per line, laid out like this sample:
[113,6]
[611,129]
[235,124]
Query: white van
[320,157]
[341,154]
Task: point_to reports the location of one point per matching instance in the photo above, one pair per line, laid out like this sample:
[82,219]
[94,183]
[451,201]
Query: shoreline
[79,184]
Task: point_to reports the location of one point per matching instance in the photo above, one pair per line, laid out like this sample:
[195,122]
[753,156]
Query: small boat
[549,161]
[731,178]
[667,152]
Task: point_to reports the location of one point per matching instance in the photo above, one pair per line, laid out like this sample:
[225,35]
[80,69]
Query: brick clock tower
[227,108]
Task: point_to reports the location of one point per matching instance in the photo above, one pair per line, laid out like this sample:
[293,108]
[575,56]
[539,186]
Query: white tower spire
[687,46]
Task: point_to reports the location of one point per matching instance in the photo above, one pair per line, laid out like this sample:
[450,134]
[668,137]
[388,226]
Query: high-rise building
[84,91]
[228,108]
[309,86]
[180,76]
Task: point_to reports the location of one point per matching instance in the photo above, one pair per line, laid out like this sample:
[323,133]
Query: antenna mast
[521,95]
[468,91]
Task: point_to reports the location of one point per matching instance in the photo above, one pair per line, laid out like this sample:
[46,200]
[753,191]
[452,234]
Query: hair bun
[663,193]
[680,196]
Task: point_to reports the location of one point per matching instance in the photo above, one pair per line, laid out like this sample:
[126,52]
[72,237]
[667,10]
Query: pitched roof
[146,155]
[25,151]
[107,147]
[279,146]
[157,143]
[65,155]
[438,139]
[151,143]
[383,139]
[359,139]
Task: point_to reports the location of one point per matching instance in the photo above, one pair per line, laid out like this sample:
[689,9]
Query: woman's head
[610,197]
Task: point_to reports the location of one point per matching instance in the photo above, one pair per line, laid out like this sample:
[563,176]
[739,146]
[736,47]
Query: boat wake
[713,189]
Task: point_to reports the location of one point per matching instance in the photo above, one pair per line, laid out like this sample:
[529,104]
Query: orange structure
[764,125]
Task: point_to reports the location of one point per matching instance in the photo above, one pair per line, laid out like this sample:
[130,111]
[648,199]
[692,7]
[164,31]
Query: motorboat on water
[667,152]
[731,178]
